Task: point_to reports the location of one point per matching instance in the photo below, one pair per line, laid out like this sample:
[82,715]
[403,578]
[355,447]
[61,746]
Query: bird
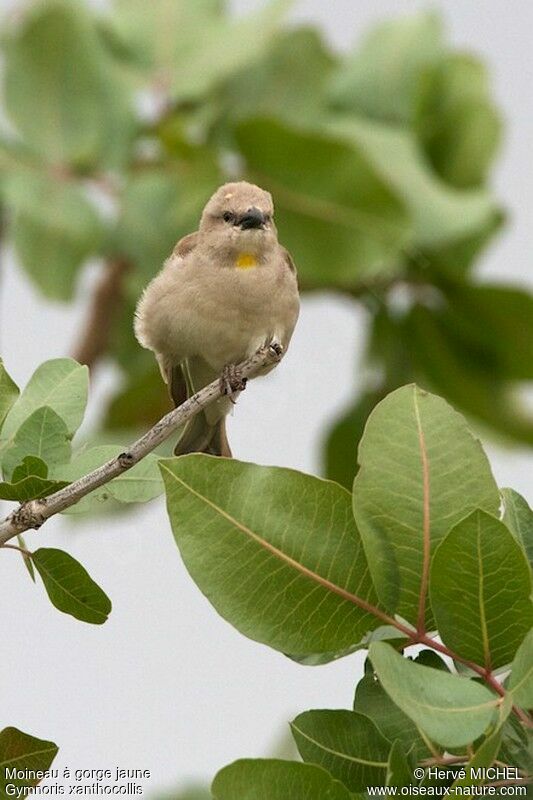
[226,290]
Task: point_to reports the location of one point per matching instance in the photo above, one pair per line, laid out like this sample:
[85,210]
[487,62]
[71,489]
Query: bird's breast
[237,309]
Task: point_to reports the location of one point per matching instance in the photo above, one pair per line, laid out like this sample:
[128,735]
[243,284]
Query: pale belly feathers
[224,315]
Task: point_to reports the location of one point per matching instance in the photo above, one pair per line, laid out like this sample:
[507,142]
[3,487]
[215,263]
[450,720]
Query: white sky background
[166,684]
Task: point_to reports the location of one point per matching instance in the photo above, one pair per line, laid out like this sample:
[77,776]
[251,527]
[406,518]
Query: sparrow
[225,291]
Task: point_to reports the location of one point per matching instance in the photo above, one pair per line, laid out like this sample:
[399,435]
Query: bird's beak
[254,218]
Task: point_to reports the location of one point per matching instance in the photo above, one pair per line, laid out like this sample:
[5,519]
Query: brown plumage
[225,291]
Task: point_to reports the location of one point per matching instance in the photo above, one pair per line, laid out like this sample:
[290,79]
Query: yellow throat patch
[245,261]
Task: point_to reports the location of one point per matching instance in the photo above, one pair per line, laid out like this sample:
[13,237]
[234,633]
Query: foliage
[273,558]
[424,542]
[36,459]
[121,123]
[22,752]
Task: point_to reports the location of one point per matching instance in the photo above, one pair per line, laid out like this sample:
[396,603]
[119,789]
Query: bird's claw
[232,381]
[275,349]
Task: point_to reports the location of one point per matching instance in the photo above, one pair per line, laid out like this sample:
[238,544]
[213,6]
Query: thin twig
[24,552]
[34,513]
[104,306]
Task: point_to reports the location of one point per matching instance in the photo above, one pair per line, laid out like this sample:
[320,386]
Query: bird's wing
[288,259]
[177,384]
[188,377]
[186,245]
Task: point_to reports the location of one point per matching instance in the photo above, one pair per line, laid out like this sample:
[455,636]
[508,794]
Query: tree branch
[104,305]
[34,513]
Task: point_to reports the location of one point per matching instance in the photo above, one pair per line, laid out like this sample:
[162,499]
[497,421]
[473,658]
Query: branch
[34,513]
[104,305]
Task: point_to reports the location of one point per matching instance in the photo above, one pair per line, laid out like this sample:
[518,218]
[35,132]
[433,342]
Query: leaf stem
[416,638]
[430,746]
[26,553]
[413,635]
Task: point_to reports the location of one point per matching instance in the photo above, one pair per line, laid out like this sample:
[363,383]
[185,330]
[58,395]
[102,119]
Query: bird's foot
[232,381]
[275,348]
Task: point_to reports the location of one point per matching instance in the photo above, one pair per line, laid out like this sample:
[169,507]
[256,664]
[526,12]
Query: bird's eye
[227,216]
[268,217]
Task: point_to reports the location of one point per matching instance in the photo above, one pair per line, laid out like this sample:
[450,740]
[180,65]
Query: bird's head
[239,220]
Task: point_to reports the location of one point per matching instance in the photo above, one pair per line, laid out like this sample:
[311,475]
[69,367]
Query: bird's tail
[201,437]
[206,432]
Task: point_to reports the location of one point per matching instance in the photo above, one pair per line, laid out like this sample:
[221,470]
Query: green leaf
[190,46]
[139,484]
[54,229]
[449,364]
[23,752]
[26,558]
[496,322]
[156,36]
[429,658]
[452,711]
[8,392]
[274,550]
[225,48]
[480,588]
[457,78]
[62,90]
[458,124]
[61,384]
[158,208]
[440,215]
[27,484]
[31,487]
[384,77]
[338,232]
[142,401]
[399,770]
[347,744]
[386,355]
[150,222]
[340,446]
[385,633]
[70,587]
[466,143]
[31,466]
[483,757]
[456,258]
[276,780]
[517,745]
[43,434]
[289,82]
[521,679]
[486,751]
[421,472]
[372,700]
[518,517]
